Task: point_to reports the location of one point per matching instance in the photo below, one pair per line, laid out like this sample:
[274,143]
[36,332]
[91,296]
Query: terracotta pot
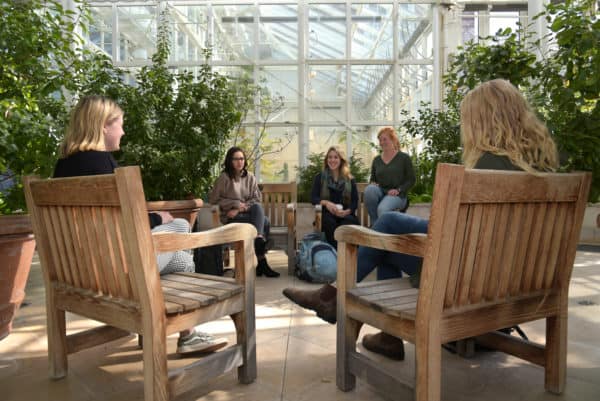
[185,209]
[17,246]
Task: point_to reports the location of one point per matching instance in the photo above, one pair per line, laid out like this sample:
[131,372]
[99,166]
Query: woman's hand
[243,207]
[232,213]
[393,192]
[166,217]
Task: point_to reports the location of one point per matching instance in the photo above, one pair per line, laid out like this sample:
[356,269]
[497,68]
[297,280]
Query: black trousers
[330,222]
[255,216]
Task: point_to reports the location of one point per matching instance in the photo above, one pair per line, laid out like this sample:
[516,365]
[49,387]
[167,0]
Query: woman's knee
[372,193]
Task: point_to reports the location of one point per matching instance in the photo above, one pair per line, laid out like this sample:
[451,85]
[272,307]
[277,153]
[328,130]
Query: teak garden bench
[499,252]
[98,260]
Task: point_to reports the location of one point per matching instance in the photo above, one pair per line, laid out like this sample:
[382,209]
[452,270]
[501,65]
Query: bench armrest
[412,244]
[169,242]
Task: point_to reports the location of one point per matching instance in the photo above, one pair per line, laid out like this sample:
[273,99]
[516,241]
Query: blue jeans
[255,216]
[377,202]
[391,264]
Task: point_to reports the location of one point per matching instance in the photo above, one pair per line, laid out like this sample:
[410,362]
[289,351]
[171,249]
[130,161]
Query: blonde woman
[392,175]
[335,190]
[499,131]
[95,130]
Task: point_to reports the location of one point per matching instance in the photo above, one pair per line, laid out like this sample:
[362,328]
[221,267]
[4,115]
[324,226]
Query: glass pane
[243,75]
[372,28]
[365,145]
[327,93]
[100,33]
[137,32]
[234,32]
[279,98]
[414,86]
[415,39]
[321,138]
[326,31]
[278,32]
[372,92]
[279,154]
[190,30]
[500,20]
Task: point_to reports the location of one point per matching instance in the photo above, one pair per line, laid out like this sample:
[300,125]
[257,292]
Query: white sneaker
[199,342]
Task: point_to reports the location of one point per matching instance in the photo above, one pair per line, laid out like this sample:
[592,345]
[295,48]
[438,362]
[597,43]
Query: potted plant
[177,125]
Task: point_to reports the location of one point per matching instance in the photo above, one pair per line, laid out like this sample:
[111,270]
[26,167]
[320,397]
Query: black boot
[264,268]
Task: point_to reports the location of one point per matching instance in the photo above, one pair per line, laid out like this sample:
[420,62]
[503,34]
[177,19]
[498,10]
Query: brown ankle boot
[384,344]
[323,301]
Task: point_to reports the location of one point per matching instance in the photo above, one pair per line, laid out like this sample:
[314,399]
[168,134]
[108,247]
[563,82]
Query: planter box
[17,246]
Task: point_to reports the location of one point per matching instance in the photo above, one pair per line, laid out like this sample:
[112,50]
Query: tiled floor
[296,356]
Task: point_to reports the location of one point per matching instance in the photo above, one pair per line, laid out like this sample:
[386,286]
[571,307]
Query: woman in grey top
[392,175]
[237,194]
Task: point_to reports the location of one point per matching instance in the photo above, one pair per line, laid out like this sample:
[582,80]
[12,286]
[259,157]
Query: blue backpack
[317,260]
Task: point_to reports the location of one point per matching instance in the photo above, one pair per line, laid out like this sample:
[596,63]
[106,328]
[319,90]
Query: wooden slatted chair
[279,201]
[499,252]
[98,259]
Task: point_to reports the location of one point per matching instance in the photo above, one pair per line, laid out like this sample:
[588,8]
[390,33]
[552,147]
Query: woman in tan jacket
[237,194]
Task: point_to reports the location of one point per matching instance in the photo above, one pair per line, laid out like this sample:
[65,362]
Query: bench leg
[555,354]
[155,364]
[246,337]
[428,367]
[57,341]
[347,334]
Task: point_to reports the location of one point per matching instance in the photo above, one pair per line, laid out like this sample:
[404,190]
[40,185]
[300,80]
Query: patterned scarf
[342,185]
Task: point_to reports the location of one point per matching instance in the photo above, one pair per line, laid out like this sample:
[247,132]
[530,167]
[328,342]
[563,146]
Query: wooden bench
[98,260]
[499,252]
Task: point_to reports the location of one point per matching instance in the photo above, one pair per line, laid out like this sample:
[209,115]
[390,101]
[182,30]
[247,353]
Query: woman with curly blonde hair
[499,132]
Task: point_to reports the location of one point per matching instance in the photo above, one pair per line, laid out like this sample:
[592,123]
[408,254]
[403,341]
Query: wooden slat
[457,255]
[555,245]
[470,253]
[498,262]
[76,191]
[509,250]
[106,257]
[88,243]
[533,245]
[205,291]
[484,252]
[544,250]
[523,234]
[64,226]
[52,230]
[510,186]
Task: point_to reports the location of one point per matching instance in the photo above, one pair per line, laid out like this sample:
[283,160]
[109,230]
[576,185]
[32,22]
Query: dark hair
[228,164]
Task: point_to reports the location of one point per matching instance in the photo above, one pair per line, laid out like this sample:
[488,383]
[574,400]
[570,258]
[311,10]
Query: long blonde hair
[86,125]
[344,168]
[496,118]
[392,134]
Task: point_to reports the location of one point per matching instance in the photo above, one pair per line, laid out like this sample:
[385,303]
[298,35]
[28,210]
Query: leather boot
[384,344]
[264,268]
[323,301]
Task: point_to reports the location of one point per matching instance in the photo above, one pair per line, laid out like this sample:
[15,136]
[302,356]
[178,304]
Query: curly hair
[496,118]
[86,124]
[344,168]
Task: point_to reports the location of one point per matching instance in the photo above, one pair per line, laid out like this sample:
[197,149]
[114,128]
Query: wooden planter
[17,246]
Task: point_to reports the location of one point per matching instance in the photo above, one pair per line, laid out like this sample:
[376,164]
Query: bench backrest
[497,236]
[94,239]
[275,198]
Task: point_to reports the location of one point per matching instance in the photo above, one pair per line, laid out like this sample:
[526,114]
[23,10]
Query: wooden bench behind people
[499,252]
[98,260]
